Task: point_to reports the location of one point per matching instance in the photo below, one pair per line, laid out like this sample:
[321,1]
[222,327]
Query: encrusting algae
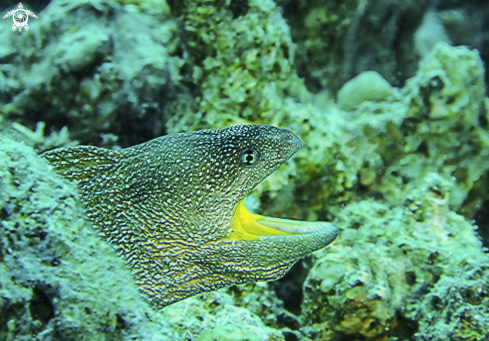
[173,208]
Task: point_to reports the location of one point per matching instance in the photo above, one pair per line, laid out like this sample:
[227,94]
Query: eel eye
[249,157]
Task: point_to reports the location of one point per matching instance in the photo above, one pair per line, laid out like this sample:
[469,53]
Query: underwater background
[389,98]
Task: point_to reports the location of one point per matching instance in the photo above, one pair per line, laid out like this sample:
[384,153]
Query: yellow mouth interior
[249,226]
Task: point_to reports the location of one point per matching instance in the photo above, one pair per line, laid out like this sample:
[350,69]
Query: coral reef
[398,266]
[59,280]
[338,40]
[94,66]
[367,86]
[401,167]
[398,170]
[242,58]
[465,23]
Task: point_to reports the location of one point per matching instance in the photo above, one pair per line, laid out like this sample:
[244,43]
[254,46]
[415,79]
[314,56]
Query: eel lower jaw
[249,226]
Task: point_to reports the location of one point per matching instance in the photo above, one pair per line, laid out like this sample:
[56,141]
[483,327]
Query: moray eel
[173,208]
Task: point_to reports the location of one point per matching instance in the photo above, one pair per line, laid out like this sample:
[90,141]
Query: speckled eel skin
[173,208]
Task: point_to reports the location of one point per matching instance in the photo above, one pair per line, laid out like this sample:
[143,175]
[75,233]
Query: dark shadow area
[289,287]
[467,23]
[41,306]
[34,6]
[482,221]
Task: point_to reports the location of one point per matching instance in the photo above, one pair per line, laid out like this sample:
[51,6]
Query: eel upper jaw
[249,226]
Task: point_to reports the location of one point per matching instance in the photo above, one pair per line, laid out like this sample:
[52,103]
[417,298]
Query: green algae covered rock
[398,265]
[242,58]
[436,123]
[445,128]
[91,65]
[215,316]
[58,280]
[367,86]
[419,158]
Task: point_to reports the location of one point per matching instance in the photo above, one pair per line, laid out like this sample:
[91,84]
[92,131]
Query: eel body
[173,208]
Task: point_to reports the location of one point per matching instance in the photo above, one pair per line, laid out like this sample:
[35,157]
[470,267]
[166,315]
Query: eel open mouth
[249,226]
